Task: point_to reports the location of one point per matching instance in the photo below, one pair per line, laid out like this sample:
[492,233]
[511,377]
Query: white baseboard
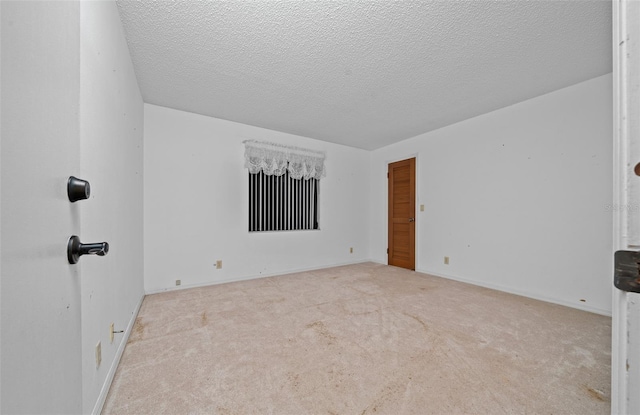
[254,277]
[497,287]
[97,409]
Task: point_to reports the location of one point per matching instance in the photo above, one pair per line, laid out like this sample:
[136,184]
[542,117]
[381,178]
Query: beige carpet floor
[361,339]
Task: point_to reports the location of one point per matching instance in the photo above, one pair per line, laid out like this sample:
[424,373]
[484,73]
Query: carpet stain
[419,320]
[138,331]
[320,328]
[204,319]
[362,291]
[388,394]
[596,394]
[226,411]
[294,379]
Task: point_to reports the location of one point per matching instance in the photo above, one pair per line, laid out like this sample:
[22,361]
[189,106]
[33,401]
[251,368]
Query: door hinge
[387,175]
[387,251]
[626,273]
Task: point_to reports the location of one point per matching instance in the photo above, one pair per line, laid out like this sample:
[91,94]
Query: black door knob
[78,189]
[75,249]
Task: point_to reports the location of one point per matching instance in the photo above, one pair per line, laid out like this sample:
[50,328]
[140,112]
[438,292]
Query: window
[284,186]
[280,203]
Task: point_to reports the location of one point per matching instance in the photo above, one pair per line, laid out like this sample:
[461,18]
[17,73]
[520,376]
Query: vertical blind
[284,184]
[281,203]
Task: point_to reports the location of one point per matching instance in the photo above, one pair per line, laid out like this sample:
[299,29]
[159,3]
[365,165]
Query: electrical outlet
[98,354]
[178,282]
[111,332]
[219,264]
[446,260]
[351,250]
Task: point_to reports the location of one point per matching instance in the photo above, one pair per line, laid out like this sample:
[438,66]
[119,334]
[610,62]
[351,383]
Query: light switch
[421,208]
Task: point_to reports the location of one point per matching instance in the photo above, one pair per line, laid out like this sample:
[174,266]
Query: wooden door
[402,208]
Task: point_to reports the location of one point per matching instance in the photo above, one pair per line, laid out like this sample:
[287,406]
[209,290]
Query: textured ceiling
[361,73]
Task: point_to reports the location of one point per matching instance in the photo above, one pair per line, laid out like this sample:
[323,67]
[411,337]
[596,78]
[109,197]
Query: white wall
[111,127]
[196,196]
[40,350]
[518,198]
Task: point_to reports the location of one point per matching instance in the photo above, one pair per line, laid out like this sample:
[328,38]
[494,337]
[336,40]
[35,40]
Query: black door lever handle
[75,249]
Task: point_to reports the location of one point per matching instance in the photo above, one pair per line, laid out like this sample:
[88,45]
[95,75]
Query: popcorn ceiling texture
[361,73]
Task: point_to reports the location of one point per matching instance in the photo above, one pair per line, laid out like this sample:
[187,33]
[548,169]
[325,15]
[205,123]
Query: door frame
[625,323]
[417,202]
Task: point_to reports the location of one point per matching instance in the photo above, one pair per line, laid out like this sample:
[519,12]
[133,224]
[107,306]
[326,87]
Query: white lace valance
[276,159]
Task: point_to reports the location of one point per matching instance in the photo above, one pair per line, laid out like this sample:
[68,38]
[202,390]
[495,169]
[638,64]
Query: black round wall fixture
[78,189]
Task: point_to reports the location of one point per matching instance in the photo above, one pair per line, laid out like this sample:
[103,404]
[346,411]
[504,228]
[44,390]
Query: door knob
[75,249]
[412,219]
[78,189]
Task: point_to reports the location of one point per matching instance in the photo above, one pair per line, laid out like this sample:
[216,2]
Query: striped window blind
[281,203]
